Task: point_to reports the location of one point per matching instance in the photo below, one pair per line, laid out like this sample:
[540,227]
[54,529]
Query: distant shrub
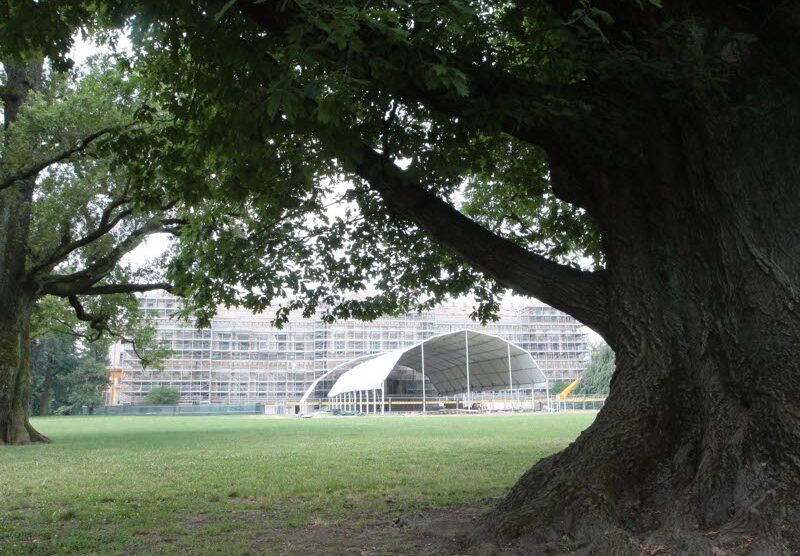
[163,395]
[596,379]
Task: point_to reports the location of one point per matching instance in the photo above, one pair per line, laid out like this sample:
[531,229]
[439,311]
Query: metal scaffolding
[242,358]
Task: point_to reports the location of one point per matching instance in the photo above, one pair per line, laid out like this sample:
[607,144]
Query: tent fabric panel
[368,375]
[338,369]
[445,365]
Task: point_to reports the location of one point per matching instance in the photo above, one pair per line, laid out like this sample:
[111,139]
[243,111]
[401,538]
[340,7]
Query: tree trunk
[44,397]
[698,445]
[15,374]
[16,298]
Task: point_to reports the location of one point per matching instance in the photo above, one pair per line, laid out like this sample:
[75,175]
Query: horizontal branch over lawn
[580,293]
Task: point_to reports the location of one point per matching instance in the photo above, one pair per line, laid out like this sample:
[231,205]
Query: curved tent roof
[446,355]
[337,370]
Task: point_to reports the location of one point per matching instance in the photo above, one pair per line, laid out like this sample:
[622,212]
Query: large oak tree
[68,216]
[486,145]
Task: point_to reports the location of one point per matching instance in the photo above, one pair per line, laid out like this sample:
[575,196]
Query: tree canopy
[163,395]
[289,135]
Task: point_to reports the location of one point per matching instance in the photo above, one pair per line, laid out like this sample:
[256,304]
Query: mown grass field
[255,485]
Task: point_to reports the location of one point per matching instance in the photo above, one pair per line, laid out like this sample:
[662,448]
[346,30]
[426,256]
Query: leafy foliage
[88,210]
[53,358]
[307,233]
[65,378]
[596,379]
[163,395]
[86,383]
[255,114]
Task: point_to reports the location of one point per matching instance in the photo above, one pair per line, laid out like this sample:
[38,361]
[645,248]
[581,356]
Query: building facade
[242,358]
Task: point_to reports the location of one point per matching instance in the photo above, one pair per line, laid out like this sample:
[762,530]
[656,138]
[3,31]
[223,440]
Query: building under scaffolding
[242,358]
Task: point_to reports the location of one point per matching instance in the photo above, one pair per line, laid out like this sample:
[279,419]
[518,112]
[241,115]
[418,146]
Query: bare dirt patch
[433,531]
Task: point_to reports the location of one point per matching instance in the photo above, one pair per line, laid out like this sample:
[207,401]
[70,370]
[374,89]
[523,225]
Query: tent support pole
[424,404]
[466,352]
[374,401]
[383,390]
[547,391]
[510,382]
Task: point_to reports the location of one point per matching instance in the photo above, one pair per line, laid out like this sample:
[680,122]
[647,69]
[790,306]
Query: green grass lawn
[250,484]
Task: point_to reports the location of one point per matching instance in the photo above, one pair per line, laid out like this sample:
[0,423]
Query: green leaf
[221,13]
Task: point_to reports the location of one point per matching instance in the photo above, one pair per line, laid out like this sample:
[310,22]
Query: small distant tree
[596,379]
[86,384]
[163,395]
[69,360]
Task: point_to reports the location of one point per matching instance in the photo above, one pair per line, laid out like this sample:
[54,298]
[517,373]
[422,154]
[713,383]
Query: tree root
[19,432]
[35,436]
[595,535]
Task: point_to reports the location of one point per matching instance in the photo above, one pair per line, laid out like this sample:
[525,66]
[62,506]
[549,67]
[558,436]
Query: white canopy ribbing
[490,360]
[338,369]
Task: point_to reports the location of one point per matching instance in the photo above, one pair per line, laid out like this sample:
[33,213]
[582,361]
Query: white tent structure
[458,362]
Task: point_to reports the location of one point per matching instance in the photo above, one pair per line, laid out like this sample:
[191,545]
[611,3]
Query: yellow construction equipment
[568,390]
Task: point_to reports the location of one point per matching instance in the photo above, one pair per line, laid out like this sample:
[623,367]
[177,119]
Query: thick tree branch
[99,323]
[96,322]
[106,224]
[36,167]
[106,289]
[581,294]
[82,280]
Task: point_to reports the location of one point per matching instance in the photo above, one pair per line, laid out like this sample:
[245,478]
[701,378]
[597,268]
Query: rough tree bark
[16,299]
[699,442]
[44,396]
